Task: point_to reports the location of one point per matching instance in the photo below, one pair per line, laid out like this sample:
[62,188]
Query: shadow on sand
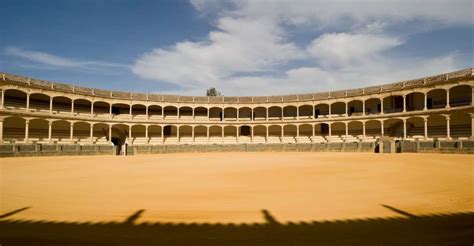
[435,229]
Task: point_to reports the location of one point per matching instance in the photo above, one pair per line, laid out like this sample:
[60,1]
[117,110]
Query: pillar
[49,131]
[282,113]
[238,114]
[347,108]
[472,126]
[92,134]
[347,130]
[1,129]
[329,132]
[297,112]
[129,134]
[282,134]
[404,128]
[146,112]
[163,116]
[130,111]
[2,100]
[146,133]
[192,111]
[363,107]
[27,128]
[92,109]
[381,129]
[51,105]
[363,130]
[27,101]
[266,114]
[110,134]
[448,130]
[251,134]
[329,110]
[162,133]
[192,131]
[381,106]
[297,132]
[71,132]
[266,134]
[447,98]
[314,133]
[207,132]
[426,127]
[314,113]
[177,130]
[177,112]
[72,106]
[404,103]
[222,134]
[237,134]
[110,110]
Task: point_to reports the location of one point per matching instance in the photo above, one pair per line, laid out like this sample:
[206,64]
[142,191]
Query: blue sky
[252,47]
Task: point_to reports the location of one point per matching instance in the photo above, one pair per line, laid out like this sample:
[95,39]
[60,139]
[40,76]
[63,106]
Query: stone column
[92,134]
[363,130]
[297,132]
[447,98]
[177,131]
[2,100]
[282,134]
[72,106]
[27,128]
[51,105]
[192,111]
[192,132]
[163,113]
[426,127]
[425,107]
[110,110]
[347,108]
[329,111]
[251,134]
[381,106]
[162,134]
[92,109]
[472,126]
[207,134]
[314,113]
[110,134]
[404,103]
[266,114]
[297,112]
[1,129]
[49,131]
[71,132]
[282,113]
[314,133]
[448,130]
[237,134]
[27,101]
[146,112]
[329,127]
[266,134]
[404,128]
[238,114]
[177,112]
[347,131]
[129,134]
[381,128]
[130,111]
[146,134]
[363,107]
[222,134]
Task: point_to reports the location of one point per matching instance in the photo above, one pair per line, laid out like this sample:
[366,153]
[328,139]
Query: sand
[235,187]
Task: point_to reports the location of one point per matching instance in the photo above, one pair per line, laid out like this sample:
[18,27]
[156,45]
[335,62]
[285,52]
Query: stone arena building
[41,113]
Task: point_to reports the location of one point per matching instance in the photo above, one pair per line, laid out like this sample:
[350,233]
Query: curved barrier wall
[432,108]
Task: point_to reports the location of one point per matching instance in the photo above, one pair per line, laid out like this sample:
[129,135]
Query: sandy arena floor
[235,187]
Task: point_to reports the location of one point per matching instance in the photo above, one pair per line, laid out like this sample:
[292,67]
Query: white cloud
[252,51]
[53,61]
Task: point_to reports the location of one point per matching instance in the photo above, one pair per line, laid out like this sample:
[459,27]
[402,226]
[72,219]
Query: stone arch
[100,133]
[138,135]
[60,131]
[437,126]
[289,112]
[39,101]
[306,111]
[274,112]
[436,98]
[460,95]
[62,104]
[14,129]
[355,107]
[102,109]
[38,130]
[155,112]
[321,110]
[460,125]
[82,106]
[139,111]
[230,113]
[245,113]
[338,109]
[373,106]
[415,101]
[415,127]
[14,98]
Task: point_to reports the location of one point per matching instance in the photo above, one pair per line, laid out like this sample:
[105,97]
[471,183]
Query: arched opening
[289,134]
[200,113]
[460,95]
[154,112]
[81,134]
[460,125]
[338,109]
[321,130]
[154,134]
[15,99]
[245,132]
[274,113]
[82,106]
[39,102]
[185,113]
[245,113]
[230,135]
[62,104]
[373,130]
[100,133]
[306,112]
[38,131]
[60,132]
[415,128]
[121,111]
[373,106]
[355,130]
[102,109]
[200,134]
[259,134]
[170,134]
[171,112]
[14,129]
[321,110]
[139,111]
[393,104]
[274,134]
[215,114]
[393,128]
[437,126]
[230,114]
[120,139]
[139,135]
[436,99]
[355,108]
[305,133]
[215,135]
[260,113]
[185,134]
[415,101]
[338,132]
[289,112]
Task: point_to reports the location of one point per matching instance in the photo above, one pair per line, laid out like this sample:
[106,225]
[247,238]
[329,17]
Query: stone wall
[17,150]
